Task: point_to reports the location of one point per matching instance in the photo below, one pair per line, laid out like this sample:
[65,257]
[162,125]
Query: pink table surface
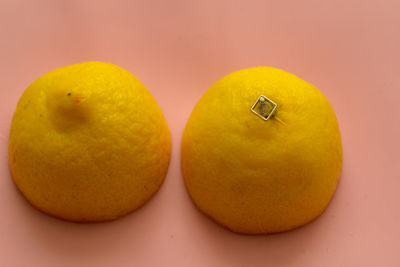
[347,48]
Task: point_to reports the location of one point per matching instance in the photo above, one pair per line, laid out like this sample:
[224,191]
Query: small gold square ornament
[264,107]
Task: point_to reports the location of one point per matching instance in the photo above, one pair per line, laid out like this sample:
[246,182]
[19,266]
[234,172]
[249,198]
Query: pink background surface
[349,49]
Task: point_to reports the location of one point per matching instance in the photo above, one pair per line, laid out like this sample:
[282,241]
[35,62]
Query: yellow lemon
[88,142]
[261,151]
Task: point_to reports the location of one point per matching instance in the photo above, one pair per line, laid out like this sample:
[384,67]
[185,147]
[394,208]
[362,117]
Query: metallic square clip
[264,107]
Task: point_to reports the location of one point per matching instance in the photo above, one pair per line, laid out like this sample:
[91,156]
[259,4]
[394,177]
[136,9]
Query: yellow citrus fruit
[261,176]
[88,142]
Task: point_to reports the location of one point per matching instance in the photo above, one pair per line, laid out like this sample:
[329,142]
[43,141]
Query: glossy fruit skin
[255,176]
[88,143]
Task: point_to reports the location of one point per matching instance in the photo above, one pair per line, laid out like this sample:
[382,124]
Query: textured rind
[88,142]
[256,176]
